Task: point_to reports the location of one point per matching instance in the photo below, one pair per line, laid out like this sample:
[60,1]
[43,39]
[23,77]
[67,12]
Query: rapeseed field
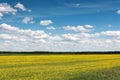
[60,67]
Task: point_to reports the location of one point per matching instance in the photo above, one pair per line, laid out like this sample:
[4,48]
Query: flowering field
[60,67]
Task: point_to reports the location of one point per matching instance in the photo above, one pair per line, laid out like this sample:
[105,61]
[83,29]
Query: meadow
[60,67]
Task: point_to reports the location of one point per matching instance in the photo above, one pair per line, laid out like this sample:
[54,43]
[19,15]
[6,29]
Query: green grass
[60,67]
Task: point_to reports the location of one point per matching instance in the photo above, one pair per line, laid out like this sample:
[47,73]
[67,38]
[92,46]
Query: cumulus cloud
[118,11]
[22,7]
[21,33]
[6,27]
[6,36]
[89,26]
[86,28]
[55,38]
[111,33]
[70,37]
[28,20]
[5,8]
[46,22]
[80,36]
[35,40]
[51,28]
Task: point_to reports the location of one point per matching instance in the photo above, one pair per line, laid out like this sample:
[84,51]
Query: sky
[60,25]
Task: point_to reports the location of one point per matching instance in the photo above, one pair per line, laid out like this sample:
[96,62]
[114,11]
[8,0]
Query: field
[60,67]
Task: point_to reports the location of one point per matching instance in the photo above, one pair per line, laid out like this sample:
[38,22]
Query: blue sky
[59,25]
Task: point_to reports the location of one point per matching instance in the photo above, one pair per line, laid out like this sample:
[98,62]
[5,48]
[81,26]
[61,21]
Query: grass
[60,67]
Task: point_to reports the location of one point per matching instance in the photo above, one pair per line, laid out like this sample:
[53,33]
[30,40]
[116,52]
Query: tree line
[44,52]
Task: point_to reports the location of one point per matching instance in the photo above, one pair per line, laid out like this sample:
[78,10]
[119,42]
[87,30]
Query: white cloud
[80,36]
[46,22]
[27,20]
[7,27]
[70,37]
[1,15]
[11,37]
[35,40]
[55,38]
[118,11]
[79,28]
[51,28]
[111,33]
[20,6]
[38,34]
[5,36]
[5,8]
[89,26]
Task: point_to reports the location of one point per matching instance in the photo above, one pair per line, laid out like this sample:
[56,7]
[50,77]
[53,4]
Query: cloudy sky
[59,25]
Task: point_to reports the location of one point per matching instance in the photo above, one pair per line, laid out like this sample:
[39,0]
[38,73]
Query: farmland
[60,67]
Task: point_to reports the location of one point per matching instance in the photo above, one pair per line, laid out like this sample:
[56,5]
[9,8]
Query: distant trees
[42,52]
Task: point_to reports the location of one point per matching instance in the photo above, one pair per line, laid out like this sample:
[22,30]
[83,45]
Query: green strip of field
[60,67]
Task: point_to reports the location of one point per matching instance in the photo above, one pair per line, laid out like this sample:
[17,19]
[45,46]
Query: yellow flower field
[60,67]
